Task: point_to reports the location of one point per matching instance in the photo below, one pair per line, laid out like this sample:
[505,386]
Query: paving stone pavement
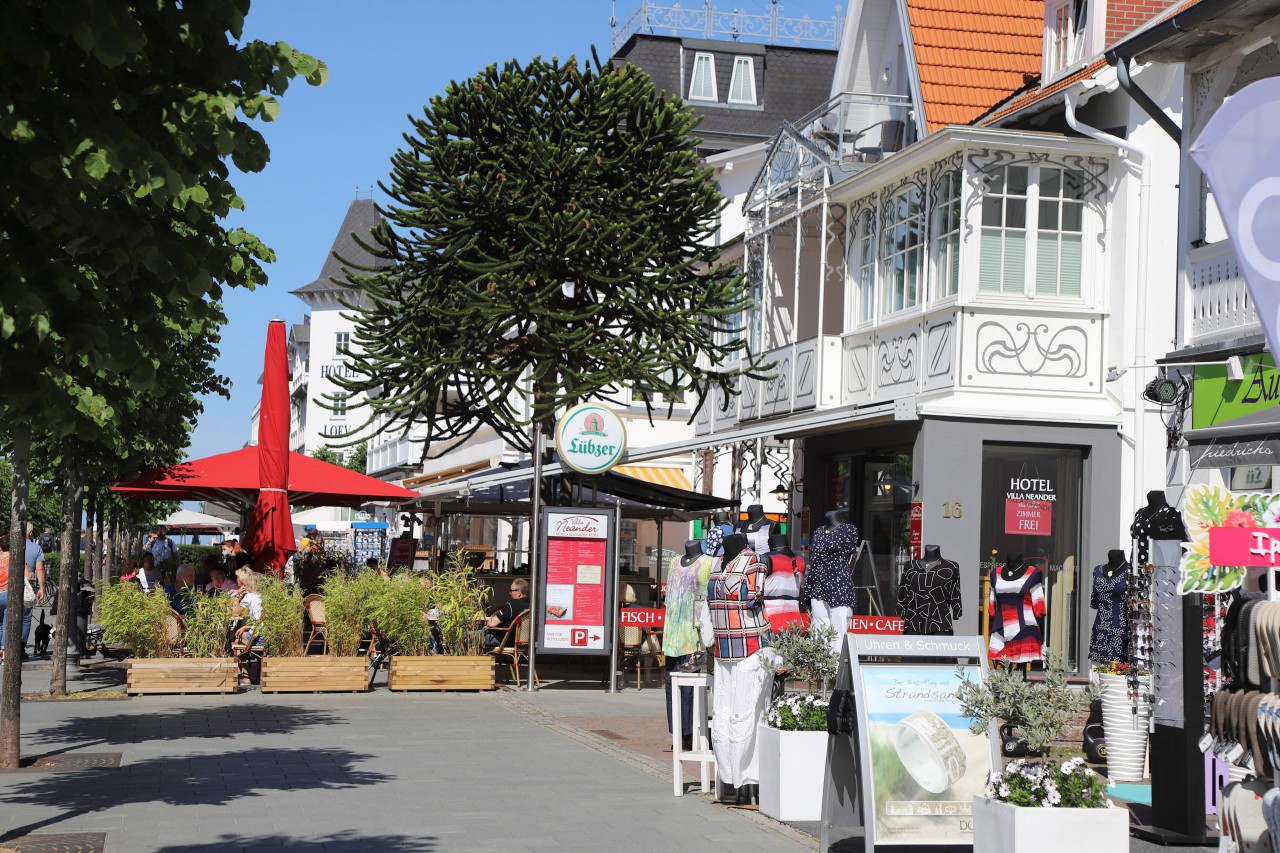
[378,772]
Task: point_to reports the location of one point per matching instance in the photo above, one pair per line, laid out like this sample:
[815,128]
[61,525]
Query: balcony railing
[845,135]
[709,23]
[1217,304]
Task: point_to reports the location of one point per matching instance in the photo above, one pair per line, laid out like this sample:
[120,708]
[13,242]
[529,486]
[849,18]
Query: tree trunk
[90,531]
[97,543]
[11,686]
[69,573]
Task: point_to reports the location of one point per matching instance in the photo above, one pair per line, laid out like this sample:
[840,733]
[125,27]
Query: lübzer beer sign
[591,438]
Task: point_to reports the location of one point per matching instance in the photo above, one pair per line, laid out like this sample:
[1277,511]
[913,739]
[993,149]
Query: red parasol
[271,530]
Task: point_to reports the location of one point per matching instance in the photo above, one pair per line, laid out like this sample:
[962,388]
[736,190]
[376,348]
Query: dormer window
[1064,34]
[742,88]
[703,85]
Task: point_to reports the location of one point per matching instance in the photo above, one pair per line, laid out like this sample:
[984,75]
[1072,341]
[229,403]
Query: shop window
[1032,231]
[903,251]
[946,235]
[1031,506]
[742,88]
[702,86]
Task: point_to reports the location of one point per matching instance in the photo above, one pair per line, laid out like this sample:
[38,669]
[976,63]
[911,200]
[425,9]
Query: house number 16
[952,509]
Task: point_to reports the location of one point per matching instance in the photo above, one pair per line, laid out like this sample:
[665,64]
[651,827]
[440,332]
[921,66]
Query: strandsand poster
[925,764]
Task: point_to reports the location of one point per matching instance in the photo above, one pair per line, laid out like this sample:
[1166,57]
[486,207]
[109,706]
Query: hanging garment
[738,702]
[1109,639]
[713,545]
[1014,606]
[782,590]
[829,577]
[735,597]
[680,627]
[929,597]
[1164,523]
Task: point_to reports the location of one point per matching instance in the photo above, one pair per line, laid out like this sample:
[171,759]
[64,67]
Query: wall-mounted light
[781,493]
[886,73]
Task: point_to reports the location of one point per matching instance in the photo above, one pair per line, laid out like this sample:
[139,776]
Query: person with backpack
[47,541]
[162,549]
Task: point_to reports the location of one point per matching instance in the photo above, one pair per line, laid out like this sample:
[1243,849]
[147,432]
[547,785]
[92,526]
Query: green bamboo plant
[135,619]
[348,604]
[399,607]
[281,622]
[206,625]
[461,604]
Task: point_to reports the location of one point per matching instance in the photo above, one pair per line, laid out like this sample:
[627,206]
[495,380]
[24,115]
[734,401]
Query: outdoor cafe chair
[314,605]
[173,633]
[641,647]
[514,647]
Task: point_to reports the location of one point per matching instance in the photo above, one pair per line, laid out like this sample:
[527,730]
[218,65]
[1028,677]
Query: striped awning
[672,477]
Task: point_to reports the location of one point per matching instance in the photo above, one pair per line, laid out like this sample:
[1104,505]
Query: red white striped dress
[1014,607]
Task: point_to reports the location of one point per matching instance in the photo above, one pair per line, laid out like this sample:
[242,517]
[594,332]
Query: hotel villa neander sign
[591,438]
[1028,506]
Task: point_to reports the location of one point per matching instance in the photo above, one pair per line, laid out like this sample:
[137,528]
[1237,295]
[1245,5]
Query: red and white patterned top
[1014,607]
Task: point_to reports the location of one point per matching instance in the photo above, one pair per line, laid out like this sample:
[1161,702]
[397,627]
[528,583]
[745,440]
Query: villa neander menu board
[577,577]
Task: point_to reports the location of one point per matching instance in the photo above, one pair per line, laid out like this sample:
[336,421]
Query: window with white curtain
[742,87]
[902,255]
[702,86]
[946,235]
[1032,231]
[866,247]
[1004,231]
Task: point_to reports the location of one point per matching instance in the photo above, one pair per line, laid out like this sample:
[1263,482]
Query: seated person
[183,585]
[309,568]
[248,603]
[205,572]
[502,618]
[148,576]
[219,582]
[372,564]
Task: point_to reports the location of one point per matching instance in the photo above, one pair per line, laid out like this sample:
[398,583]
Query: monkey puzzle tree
[548,242]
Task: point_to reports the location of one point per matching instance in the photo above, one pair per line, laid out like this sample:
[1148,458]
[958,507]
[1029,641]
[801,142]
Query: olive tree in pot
[454,602]
[793,736]
[285,666]
[1039,805]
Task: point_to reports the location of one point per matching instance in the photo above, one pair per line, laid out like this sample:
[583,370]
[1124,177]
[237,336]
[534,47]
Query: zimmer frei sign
[591,438]
[1028,506]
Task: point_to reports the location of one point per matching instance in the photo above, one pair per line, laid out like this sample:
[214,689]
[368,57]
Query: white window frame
[946,271]
[914,253]
[744,68]
[1032,234]
[339,410]
[710,59]
[341,343]
[1064,41]
[865,259]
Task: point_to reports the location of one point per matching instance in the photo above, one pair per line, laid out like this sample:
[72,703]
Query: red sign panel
[877,625]
[917,530]
[643,617]
[1244,546]
[1028,518]
[576,558]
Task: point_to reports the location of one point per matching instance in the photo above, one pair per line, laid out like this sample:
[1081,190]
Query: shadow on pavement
[345,842]
[207,780]
[140,725]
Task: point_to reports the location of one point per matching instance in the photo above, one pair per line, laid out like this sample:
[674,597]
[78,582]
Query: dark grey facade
[789,83]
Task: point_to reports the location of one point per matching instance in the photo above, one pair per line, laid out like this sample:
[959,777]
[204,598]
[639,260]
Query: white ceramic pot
[792,768]
[1001,828]
[1126,733]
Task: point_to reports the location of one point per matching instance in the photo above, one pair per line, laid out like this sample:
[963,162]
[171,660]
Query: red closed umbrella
[271,529]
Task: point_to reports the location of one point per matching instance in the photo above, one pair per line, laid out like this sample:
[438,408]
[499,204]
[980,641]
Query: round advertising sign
[590,438]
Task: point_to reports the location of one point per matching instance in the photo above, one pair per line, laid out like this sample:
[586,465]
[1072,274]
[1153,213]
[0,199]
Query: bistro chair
[514,647]
[641,647]
[314,605]
[173,633]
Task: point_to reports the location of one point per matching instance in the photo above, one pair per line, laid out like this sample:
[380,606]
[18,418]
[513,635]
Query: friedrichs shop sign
[1028,506]
[591,438]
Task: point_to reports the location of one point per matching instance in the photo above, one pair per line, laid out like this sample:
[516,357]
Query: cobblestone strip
[513,702]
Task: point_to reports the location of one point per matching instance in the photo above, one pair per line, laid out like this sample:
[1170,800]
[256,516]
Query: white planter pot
[1126,734]
[792,768]
[1001,828]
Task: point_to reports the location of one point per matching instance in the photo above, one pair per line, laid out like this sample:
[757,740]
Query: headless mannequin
[1156,501]
[755,518]
[932,556]
[778,544]
[1014,567]
[836,517]
[1116,563]
[734,544]
[692,551]
[720,518]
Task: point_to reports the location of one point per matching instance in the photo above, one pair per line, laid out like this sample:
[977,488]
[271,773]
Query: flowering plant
[1115,667]
[798,712]
[1069,785]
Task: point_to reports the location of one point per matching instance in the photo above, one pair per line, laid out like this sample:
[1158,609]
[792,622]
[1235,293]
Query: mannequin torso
[929,594]
[1014,567]
[692,551]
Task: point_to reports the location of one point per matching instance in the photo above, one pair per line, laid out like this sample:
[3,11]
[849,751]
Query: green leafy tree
[548,242]
[118,122]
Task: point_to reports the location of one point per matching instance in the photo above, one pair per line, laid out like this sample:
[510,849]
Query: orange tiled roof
[973,53]
[1039,93]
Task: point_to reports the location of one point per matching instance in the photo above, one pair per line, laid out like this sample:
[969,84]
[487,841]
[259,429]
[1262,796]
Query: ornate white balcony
[1216,300]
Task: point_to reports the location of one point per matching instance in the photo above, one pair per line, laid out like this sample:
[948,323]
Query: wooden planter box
[148,676]
[315,674]
[441,672]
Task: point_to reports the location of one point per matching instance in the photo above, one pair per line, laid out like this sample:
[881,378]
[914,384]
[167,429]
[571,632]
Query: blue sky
[386,59]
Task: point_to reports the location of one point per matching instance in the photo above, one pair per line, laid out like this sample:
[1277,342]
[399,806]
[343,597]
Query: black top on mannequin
[1116,563]
[1156,500]
[932,554]
[1014,567]
[734,543]
[692,551]
[836,517]
[721,517]
[755,518]
[779,543]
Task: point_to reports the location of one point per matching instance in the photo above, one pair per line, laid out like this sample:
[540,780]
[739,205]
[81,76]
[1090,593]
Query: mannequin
[929,594]
[735,597]
[692,551]
[1017,589]
[828,584]
[719,528]
[682,640]
[757,528]
[784,573]
[1109,596]
[780,543]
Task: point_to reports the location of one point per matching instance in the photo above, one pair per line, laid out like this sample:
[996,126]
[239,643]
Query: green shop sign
[591,438]
[1216,399]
